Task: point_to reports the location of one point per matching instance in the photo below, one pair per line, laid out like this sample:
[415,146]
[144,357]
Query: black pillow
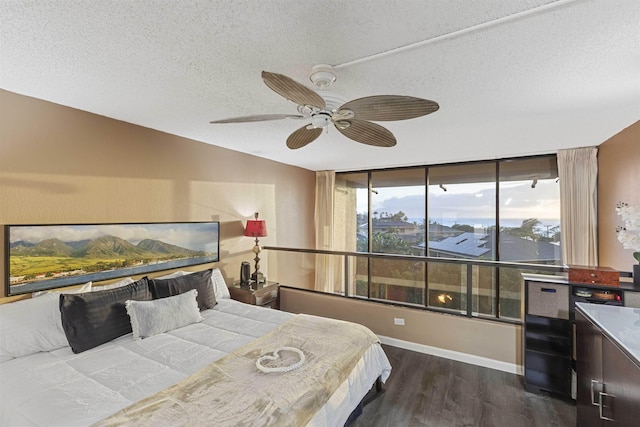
[200,281]
[94,318]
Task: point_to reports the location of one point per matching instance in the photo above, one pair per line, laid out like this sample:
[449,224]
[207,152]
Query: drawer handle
[593,394]
[551,290]
[600,399]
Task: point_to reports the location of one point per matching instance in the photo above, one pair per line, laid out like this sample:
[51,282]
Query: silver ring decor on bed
[275,356]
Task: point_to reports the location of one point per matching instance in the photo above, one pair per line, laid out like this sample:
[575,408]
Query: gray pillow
[161,315]
[200,281]
[94,318]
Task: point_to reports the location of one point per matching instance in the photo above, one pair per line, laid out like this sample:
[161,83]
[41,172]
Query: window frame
[496,310]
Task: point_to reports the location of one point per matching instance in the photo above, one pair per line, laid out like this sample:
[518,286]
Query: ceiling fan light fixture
[320,120]
[322,75]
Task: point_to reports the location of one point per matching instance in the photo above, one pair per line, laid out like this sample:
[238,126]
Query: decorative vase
[636,275]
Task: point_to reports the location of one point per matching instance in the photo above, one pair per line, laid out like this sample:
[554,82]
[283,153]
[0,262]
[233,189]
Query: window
[462,224]
[529,222]
[351,219]
[502,210]
[394,230]
[398,211]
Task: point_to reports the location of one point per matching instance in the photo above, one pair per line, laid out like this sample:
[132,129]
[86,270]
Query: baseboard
[511,368]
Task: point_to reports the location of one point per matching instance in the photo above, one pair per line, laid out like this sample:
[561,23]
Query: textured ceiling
[512,77]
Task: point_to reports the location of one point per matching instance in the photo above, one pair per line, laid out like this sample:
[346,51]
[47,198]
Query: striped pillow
[95,318]
[200,281]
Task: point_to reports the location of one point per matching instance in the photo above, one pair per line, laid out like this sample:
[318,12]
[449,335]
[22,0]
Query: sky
[518,200]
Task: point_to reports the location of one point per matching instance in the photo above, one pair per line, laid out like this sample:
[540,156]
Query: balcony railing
[472,288]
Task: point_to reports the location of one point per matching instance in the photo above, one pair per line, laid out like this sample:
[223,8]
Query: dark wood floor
[425,390]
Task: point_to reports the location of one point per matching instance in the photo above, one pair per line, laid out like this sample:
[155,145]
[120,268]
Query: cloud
[523,202]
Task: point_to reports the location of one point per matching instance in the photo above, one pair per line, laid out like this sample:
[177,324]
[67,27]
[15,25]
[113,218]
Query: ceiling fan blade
[258,118]
[367,133]
[302,137]
[390,107]
[292,90]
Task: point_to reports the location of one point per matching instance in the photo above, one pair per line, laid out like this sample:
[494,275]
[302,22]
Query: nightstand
[263,294]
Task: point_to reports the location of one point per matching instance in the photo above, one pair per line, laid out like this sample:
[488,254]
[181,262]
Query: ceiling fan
[352,119]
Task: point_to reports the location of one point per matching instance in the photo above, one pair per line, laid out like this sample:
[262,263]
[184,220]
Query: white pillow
[119,284]
[161,315]
[82,289]
[30,326]
[219,285]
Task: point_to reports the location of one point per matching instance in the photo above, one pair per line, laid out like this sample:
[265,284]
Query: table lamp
[256,228]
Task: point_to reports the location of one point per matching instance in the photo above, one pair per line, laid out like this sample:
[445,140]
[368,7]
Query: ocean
[487,222]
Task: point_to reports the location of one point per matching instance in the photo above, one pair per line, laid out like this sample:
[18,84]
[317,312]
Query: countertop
[620,324]
[625,282]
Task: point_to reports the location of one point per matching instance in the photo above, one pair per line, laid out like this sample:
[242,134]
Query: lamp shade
[256,228]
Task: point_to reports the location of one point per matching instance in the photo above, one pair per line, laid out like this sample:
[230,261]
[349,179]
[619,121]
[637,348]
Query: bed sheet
[60,388]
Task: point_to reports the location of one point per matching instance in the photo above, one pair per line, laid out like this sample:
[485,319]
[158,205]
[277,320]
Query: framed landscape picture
[40,257]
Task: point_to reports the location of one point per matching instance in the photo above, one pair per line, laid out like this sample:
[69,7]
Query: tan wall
[492,340]
[59,165]
[618,180]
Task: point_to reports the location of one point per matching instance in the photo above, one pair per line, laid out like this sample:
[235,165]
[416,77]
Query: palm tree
[526,230]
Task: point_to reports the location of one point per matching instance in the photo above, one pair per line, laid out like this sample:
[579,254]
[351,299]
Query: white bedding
[60,388]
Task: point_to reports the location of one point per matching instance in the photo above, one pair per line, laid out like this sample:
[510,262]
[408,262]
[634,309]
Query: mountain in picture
[160,247]
[109,247]
[78,243]
[20,243]
[105,247]
[49,247]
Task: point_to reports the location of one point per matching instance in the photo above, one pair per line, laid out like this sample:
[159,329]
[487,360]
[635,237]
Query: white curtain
[578,172]
[327,270]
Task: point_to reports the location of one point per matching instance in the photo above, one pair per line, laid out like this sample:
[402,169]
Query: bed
[100,385]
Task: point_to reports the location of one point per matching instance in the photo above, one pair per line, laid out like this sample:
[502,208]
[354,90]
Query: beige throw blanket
[233,392]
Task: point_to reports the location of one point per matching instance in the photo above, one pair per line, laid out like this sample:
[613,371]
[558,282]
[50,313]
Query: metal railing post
[469,289]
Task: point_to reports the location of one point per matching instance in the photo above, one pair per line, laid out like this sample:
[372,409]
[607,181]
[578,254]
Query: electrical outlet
[398,321]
